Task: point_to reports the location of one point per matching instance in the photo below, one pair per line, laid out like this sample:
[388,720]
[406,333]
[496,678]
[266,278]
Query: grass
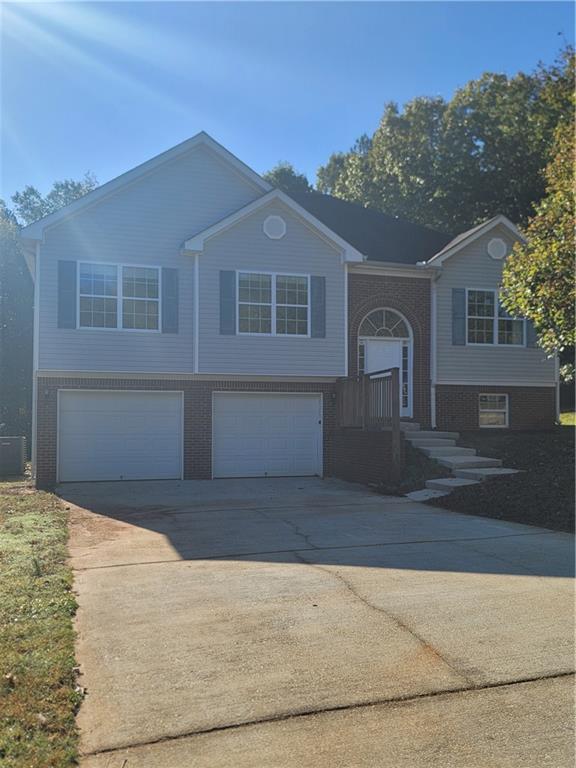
[542,494]
[38,696]
[568,419]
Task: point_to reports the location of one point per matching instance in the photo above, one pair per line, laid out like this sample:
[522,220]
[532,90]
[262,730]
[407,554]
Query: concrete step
[484,473]
[449,483]
[449,450]
[468,462]
[409,426]
[432,434]
[431,442]
[425,494]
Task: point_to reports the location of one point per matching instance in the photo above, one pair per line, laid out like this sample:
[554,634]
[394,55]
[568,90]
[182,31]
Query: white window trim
[273,304]
[495,318]
[119,298]
[506,411]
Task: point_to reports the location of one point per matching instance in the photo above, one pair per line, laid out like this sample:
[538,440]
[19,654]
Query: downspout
[433,348]
[35,358]
[557,376]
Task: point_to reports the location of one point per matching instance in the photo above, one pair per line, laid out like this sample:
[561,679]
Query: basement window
[493,411]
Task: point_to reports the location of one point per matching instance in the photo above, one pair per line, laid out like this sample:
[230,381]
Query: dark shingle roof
[378,236]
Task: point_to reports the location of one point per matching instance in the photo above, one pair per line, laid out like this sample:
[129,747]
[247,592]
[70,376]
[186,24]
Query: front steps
[467,468]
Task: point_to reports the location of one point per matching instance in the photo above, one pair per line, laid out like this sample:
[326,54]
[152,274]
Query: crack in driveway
[428,648]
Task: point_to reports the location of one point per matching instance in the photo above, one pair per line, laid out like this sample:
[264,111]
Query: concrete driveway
[313,624]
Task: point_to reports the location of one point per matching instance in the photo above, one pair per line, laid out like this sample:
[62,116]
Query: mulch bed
[542,495]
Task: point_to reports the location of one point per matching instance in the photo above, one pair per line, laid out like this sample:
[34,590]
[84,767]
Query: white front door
[392,353]
[266,435]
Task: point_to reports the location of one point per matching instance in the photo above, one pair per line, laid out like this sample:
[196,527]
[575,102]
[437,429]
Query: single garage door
[119,435]
[266,435]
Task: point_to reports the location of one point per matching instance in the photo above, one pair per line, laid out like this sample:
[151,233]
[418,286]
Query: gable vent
[274,227]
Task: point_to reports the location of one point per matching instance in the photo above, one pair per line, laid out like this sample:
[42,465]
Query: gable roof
[196,243]
[378,236]
[465,238]
[35,230]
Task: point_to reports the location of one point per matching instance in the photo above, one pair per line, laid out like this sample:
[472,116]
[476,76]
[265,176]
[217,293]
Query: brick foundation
[410,297]
[364,457]
[197,416]
[528,407]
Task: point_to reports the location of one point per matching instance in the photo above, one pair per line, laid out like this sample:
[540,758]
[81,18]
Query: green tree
[17,297]
[30,205]
[451,164]
[538,281]
[285,177]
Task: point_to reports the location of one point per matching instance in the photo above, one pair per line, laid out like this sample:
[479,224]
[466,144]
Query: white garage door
[259,435]
[119,435]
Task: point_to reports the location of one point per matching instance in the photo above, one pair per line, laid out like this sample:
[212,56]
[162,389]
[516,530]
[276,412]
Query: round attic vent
[275,227]
[497,248]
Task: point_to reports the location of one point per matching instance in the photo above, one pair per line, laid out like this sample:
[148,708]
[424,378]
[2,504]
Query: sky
[104,86]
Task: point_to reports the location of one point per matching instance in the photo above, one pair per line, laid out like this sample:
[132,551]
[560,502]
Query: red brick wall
[411,297]
[528,407]
[197,416]
[364,457]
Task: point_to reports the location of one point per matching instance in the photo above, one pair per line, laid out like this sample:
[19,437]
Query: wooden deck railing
[371,402]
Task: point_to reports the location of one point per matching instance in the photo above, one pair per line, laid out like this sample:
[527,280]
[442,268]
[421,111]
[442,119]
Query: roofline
[375,267]
[449,251]
[195,244]
[35,230]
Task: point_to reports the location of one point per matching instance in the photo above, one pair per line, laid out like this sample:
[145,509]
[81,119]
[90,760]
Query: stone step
[484,473]
[448,483]
[431,442]
[468,462]
[409,426]
[432,434]
[425,494]
[450,450]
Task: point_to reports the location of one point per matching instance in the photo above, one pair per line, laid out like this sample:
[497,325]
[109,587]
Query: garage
[119,435]
[266,435]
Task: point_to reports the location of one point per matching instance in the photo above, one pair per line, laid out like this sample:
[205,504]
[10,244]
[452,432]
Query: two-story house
[192,322]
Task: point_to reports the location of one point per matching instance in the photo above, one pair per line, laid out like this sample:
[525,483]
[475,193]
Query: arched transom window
[384,323]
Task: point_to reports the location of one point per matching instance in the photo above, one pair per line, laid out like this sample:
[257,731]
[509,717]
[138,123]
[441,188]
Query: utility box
[12,456]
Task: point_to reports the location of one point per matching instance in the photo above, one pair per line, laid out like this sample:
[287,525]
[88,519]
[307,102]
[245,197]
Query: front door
[391,353]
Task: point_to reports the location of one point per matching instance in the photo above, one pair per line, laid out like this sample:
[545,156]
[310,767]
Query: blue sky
[104,86]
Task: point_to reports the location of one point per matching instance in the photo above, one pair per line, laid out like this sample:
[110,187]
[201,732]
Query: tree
[30,205]
[17,296]
[285,177]
[451,164]
[538,281]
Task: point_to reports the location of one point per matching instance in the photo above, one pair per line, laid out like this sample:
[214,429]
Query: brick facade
[410,297]
[528,407]
[365,457]
[197,416]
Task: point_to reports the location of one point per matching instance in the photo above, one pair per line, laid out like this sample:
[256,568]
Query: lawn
[38,696]
[543,494]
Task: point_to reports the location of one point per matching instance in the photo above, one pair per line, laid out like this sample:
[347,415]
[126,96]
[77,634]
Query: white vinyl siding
[125,435]
[301,252]
[475,363]
[143,224]
[266,435]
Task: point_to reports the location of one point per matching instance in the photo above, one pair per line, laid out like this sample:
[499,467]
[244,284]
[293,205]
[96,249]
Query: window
[384,323]
[103,288]
[489,323]
[493,410]
[98,296]
[291,305]
[140,298]
[275,305]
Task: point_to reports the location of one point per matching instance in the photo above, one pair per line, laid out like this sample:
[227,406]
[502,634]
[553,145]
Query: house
[192,322]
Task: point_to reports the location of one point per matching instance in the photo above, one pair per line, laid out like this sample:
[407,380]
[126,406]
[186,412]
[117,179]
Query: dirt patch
[542,494]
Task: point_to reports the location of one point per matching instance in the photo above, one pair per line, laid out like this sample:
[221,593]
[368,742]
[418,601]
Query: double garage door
[139,435]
